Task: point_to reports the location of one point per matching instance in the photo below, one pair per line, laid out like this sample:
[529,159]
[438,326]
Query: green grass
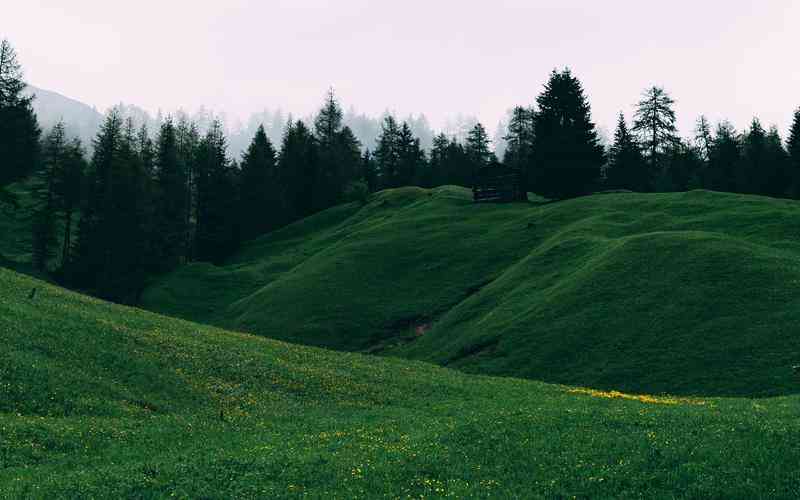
[684,293]
[103,401]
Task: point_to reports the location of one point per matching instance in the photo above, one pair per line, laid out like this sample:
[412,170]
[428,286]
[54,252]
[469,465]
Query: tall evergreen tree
[477,148]
[751,168]
[567,152]
[188,142]
[703,137]
[387,152]
[519,143]
[724,158]
[260,195]
[655,124]
[411,157]
[626,168]
[171,185]
[217,233]
[369,171]
[44,215]
[68,187]
[793,148]
[297,168]
[777,176]
[19,129]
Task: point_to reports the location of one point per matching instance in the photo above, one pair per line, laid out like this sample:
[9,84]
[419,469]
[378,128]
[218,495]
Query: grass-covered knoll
[687,293]
[104,401]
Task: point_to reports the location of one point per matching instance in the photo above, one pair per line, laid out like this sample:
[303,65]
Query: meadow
[694,293]
[103,401]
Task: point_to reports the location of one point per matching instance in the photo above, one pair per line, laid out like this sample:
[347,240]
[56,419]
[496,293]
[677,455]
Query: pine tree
[260,195]
[411,158]
[438,161]
[750,178]
[519,143]
[19,129]
[567,152]
[793,149]
[387,152]
[655,124]
[297,170]
[218,231]
[68,188]
[369,171]
[724,159]
[477,148]
[626,167]
[44,216]
[171,185]
[188,142]
[702,136]
[777,175]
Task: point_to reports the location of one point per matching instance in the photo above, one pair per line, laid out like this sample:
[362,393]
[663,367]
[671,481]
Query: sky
[727,59]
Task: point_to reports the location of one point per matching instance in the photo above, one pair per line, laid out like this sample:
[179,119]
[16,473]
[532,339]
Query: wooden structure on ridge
[498,183]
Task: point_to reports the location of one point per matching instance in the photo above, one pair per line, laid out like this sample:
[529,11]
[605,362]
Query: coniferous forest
[147,201]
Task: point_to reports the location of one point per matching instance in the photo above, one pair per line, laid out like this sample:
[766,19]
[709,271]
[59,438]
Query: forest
[144,202]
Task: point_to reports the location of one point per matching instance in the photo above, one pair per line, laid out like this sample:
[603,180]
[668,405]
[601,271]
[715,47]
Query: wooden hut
[498,183]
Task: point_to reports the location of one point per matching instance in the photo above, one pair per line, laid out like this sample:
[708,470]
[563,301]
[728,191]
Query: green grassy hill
[104,401]
[681,293]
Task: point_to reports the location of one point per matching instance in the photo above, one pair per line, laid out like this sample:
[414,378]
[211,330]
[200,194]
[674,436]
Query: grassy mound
[685,293]
[104,401]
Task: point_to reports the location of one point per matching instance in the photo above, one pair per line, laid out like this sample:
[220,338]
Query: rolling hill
[681,293]
[104,401]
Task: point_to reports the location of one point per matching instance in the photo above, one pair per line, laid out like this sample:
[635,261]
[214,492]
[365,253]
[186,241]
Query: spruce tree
[171,181]
[44,215]
[218,232]
[19,129]
[793,149]
[519,143]
[777,173]
[369,171]
[567,152]
[297,170]
[626,168]
[411,157]
[387,152]
[750,178]
[69,193]
[655,124]
[260,194]
[724,159]
[477,148]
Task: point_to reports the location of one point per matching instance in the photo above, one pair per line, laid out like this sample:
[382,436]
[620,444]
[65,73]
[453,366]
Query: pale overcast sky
[726,58]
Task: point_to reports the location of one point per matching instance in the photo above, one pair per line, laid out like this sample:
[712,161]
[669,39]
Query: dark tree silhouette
[260,194]
[567,153]
[387,152]
[793,148]
[626,167]
[297,168]
[217,234]
[19,130]
[171,185]
[477,148]
[655,124]
[519,143]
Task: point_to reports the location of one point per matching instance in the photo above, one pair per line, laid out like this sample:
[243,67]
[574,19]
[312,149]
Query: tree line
[145,202]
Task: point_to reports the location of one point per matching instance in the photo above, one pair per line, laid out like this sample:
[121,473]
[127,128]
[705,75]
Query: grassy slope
[686,293]
[103,401]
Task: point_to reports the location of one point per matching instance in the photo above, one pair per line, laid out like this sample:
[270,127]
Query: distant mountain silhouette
[80,119]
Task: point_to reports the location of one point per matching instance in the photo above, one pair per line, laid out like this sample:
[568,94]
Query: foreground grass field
[685,293]
[103,401]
